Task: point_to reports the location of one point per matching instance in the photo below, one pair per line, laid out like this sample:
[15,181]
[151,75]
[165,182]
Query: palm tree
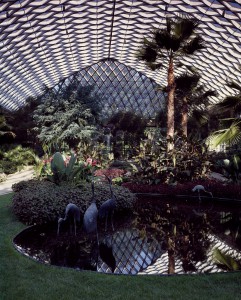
[168,45]
[191,98]
[230,110]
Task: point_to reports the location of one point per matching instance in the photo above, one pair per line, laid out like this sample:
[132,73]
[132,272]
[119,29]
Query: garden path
[25,174]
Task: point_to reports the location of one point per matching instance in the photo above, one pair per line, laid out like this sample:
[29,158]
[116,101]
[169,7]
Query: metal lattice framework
[120,88]
[45,41]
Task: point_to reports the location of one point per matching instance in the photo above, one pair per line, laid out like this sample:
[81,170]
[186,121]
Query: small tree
[190,98]
[66,117]
[169,45]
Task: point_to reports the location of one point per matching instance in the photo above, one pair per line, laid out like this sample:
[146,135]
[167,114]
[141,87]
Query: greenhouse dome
[45,42]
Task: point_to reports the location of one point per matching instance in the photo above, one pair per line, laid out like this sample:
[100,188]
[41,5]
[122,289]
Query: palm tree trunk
[170,105]
[184,116]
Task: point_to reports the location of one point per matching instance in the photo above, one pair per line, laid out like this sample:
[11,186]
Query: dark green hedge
[38,202]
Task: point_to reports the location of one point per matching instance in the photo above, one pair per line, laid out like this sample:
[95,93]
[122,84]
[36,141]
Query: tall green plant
[169,45]
[61,170]
[230,107]
[191,97]
[66,117]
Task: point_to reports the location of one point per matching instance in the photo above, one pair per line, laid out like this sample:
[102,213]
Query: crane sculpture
[107,208]
[198,188]
[72,215]
[91,214]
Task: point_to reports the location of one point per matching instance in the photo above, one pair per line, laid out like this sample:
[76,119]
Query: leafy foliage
[230,135]
[191,99]
[66,117]
[16,158]
[127,128]
[231,105]
[127,121]
[226,260]
[167,45]
[6,130]
[38,202]
[188,161]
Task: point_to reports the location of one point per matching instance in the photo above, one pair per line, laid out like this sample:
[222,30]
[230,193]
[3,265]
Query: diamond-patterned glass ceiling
[44,41]
[120,88]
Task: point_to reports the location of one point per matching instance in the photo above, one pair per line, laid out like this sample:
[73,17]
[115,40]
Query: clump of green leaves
[66,117]
[15,158]
[38,202]
[225,260]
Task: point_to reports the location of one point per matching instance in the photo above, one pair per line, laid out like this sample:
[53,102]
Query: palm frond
[186,82]
[234,85]
[162,39]
[231,135]
[147,53]
[154,66]
[184,27]
[197,43]
[209,93]
[230,103]
[200,116]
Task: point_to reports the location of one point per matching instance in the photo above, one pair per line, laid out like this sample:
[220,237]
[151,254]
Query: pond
[160,236]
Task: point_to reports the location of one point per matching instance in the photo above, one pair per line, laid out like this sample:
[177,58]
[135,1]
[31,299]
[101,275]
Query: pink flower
[89,161]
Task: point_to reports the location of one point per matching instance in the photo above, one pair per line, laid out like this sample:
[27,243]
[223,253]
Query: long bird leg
[74,227]
[58,228]
[199,197]
[97,237]
[106,220]
[111,219]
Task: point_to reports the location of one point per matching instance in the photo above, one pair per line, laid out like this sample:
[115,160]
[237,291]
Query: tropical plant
[66,117]
[231,167]
[191,98]
[62,168]
[22,123]
[6,130]
[169,45]
[187,162]
[127,129]
[15,158]
[231,108]
[225,260]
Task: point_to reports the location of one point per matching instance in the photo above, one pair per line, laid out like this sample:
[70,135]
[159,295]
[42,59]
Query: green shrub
[15,158]
[38,202]
[8,167]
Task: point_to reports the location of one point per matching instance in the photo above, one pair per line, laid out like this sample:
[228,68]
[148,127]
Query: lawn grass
[22,278]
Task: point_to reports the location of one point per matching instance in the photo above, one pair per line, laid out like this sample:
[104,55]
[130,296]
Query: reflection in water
[159,238]
[132,253]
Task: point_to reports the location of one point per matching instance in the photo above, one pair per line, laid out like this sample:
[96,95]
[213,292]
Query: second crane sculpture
[91,214]
[107,208]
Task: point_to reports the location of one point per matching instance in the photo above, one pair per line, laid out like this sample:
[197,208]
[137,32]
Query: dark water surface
[160,236]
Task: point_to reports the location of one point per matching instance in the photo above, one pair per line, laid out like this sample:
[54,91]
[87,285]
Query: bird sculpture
[72,215]
[91,214]
[107,208]
[200,188]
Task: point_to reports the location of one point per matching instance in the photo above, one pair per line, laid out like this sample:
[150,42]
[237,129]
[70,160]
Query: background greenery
[22,278]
